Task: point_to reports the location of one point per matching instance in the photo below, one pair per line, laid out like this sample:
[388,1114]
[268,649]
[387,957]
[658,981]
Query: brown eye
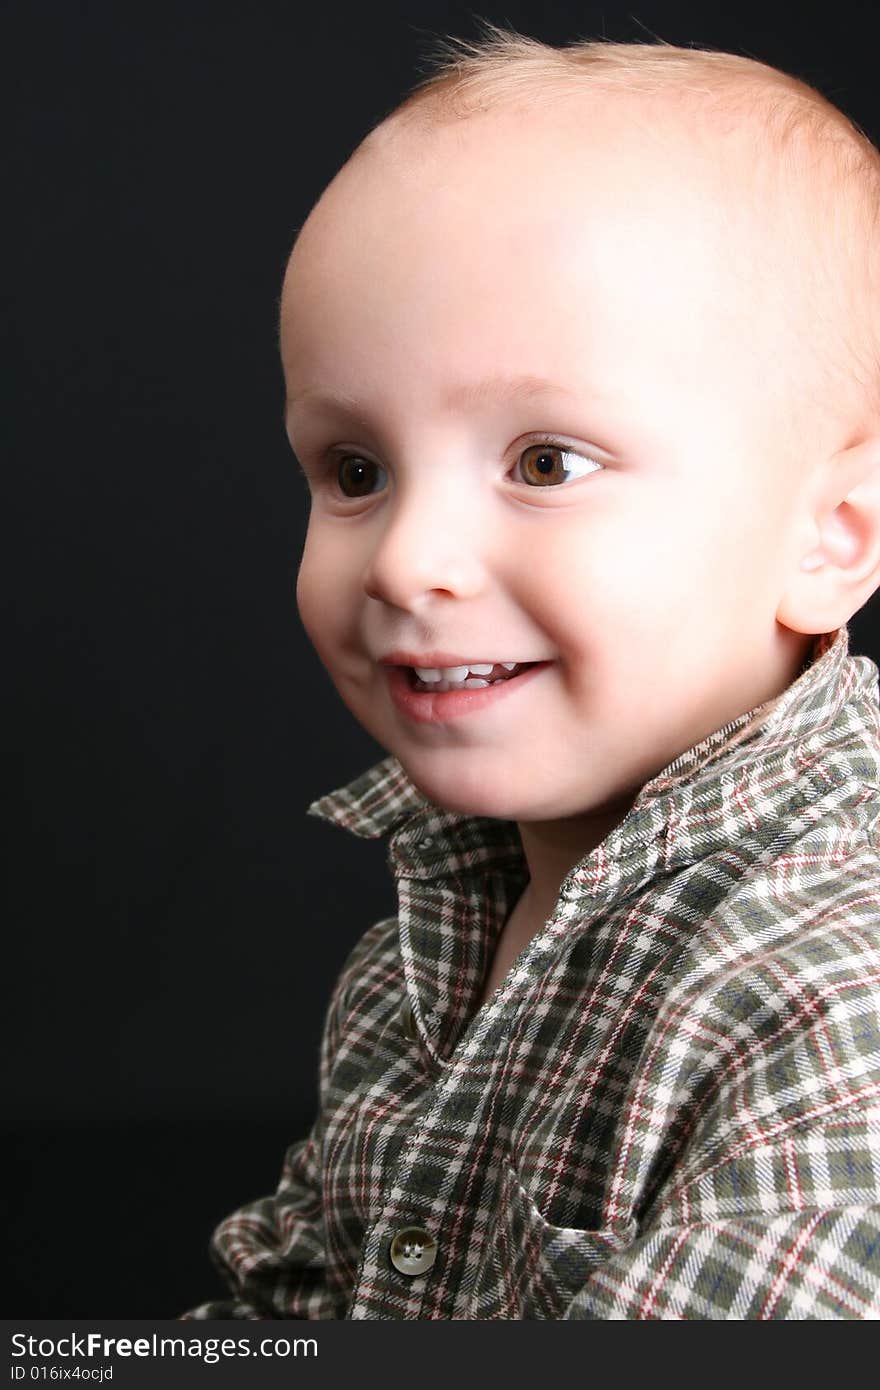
[355,475]
[542,464]
[548,464]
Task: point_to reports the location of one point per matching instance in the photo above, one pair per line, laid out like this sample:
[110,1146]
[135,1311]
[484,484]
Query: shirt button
[426,842]
[413,1250]
[408,1019]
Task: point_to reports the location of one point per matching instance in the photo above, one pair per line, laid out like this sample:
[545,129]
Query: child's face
[507,247]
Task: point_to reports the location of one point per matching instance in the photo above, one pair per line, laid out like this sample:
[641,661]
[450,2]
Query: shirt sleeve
[272,1252]
[805,1243]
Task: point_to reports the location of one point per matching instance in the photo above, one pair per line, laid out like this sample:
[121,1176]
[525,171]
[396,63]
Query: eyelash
[330,465]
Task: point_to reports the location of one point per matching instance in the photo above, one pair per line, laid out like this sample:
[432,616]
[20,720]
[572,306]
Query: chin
[468,797]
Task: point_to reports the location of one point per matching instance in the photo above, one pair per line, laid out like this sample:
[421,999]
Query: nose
[429,545]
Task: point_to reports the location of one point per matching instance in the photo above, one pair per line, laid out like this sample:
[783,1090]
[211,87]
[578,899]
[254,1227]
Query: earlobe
[839,569]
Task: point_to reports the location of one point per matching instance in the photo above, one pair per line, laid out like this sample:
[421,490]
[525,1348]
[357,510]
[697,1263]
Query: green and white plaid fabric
[671,1107]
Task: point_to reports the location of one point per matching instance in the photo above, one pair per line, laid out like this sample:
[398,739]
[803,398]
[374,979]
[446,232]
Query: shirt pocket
[530,1268]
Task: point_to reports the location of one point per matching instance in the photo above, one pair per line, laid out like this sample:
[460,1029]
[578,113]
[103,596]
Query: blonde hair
[814,173]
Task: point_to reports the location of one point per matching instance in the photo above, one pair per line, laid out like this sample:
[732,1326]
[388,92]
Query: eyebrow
[465,396]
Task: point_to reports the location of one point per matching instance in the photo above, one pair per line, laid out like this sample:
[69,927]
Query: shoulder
[370,979]
[801,933]
[772,1025]
[773,1007]
[373,962]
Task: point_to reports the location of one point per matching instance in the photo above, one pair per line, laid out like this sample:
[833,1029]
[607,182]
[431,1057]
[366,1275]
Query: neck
[552,848]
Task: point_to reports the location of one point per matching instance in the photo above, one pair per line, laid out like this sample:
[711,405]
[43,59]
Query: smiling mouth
[472,678]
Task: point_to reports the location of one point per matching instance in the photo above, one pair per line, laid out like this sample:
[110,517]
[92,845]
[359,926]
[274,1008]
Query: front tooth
[427,673]
[480,670]
[508,665]
[454,673]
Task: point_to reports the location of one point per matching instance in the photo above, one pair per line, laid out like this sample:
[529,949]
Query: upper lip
[433,660]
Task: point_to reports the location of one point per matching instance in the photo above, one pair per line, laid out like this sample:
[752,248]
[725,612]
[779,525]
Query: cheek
[306,592]
[577,575]
[320,589]
[612,583]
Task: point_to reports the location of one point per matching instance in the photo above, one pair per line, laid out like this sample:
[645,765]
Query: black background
[176,921]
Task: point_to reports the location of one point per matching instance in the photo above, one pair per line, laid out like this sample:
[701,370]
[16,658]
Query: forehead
[562,244]
[503,175]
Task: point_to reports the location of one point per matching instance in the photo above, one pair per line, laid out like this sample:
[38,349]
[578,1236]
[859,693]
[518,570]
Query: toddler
[582,369]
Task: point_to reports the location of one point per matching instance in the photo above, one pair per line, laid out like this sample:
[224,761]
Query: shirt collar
[827,719]
[374,804]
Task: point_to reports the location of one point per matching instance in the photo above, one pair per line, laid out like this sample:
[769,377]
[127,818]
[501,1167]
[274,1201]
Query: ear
[837,563]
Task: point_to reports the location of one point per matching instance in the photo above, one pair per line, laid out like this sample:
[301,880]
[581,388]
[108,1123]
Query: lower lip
[425,707]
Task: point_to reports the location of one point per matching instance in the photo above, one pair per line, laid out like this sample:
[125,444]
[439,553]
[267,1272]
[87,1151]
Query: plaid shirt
[670,1108]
